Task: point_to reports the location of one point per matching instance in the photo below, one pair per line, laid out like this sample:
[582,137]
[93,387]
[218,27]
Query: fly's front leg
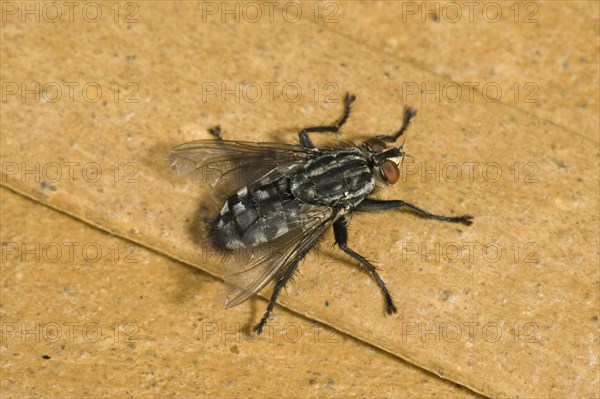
[382,205]
[340,231]
[305,140]
[409,113]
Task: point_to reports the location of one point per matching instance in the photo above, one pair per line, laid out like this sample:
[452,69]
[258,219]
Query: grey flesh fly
[288,195]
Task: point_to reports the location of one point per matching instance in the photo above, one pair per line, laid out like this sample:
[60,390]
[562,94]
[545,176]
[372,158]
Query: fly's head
[384,161]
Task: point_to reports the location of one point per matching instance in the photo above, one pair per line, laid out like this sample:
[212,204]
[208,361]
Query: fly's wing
[235,162]
[274,259]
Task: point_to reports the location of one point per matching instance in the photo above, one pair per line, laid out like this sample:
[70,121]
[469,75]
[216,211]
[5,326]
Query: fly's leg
[216,132]
[340,231]
[409,113]
[371,205]
[305,140]
[283,279]
[278,286]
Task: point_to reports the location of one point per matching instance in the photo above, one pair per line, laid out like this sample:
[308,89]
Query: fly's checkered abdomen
[340,176]
[250,218]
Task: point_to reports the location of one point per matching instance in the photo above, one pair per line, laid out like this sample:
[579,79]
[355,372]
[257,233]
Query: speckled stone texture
[92,104]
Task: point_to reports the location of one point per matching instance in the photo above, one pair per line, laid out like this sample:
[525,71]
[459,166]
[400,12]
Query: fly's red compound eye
[390,171]
[376,144]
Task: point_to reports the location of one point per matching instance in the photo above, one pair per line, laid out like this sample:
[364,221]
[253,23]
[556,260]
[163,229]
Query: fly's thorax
[337,176]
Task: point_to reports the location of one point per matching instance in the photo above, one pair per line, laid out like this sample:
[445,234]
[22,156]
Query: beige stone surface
[538,56]
[87,314]
[497,307]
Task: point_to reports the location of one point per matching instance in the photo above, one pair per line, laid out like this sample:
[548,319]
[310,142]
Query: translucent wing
[235,162]
[244,277]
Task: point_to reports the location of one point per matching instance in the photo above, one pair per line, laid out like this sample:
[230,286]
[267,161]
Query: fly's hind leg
[285,276]
[305,140]
[216,132]
[278,286]
[340,231]
[409,113]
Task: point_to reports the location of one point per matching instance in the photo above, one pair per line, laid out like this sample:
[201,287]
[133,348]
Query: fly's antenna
[406,155]
[404,141]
